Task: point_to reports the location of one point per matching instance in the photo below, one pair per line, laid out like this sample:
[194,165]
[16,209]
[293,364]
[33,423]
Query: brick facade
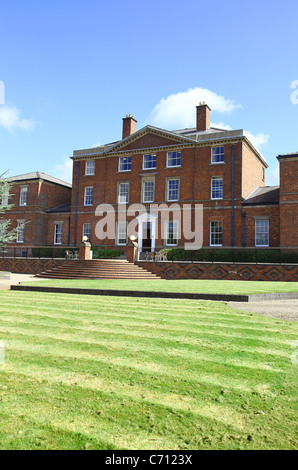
[219,169]
[218,271]
[32,208]
[289,201]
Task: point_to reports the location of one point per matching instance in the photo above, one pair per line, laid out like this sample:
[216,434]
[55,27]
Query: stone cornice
[167,148]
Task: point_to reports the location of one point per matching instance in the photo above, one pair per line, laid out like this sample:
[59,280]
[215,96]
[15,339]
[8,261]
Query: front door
[147,229]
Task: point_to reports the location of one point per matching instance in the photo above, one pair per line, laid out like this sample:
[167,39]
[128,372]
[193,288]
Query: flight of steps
[98,269]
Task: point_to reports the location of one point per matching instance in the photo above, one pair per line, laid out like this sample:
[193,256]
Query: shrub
[104,253]
[48,252]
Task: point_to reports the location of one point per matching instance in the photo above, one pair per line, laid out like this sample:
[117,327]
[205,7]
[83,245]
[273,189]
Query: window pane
[262,232]
[148,191]
[58,234]
[4,201]
[123,193]
[124,163]
[88,196]
[216,188]
[172,233]
[23,197]
[216,233]
[149,161]
[122,233]
[173,190]
[217,155]
[90,166]
[87,231]
[174,159]
[20,232]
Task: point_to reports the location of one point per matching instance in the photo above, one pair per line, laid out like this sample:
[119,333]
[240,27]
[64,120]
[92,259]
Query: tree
[6,234]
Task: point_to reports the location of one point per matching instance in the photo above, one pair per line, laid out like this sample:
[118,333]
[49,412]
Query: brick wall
[289,202]
[218,271]
[28,266]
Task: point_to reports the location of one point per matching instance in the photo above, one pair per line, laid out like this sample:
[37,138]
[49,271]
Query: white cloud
[221,125]
[10,119]
[178,110]
[272,176]
[259,140]
[63,171]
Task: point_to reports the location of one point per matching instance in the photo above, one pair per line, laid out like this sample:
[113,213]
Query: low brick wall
[235,272]
[28,265]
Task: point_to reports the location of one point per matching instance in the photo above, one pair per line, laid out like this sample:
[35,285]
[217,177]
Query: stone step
[98,269]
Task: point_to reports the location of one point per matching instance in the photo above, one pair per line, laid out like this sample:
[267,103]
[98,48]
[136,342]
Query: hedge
[231,256]
[104,253]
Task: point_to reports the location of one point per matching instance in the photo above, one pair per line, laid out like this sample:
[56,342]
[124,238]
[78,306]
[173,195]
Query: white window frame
[122,163]
[168,189]
[57,234]
[20,231]
[214,232]
[90,168]
[86,233]
[88,196]
[153,156]
[175,232]
[120,230]
[122,183]
[5,200]
[222,153]
[144,182]
[265,232]
[23,195]
[169,155]
[213,179]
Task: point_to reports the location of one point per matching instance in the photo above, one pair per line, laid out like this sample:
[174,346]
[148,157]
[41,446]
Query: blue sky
[73,69]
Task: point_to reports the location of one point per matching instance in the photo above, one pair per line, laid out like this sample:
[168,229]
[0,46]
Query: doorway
[147,230]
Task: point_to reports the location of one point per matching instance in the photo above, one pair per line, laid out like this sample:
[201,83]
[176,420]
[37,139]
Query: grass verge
[188,286]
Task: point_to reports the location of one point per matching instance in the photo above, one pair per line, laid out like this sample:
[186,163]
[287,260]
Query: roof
[190,135]
[288,155]
[268,195]
[62,208]
[34,175]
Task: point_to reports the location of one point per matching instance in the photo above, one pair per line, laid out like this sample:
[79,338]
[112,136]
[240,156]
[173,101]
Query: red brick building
[220,170]
[32,195]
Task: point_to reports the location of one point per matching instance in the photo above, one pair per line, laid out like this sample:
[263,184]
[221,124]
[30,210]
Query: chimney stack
[129,126]
[203,117]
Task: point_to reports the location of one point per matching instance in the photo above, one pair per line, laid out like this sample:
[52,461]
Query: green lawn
[189,286]
[85,372]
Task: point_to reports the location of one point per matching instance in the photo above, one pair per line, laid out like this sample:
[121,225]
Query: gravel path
[281,309]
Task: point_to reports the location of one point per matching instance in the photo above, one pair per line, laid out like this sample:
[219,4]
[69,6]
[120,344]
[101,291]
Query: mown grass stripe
[147,375]
[130,322]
